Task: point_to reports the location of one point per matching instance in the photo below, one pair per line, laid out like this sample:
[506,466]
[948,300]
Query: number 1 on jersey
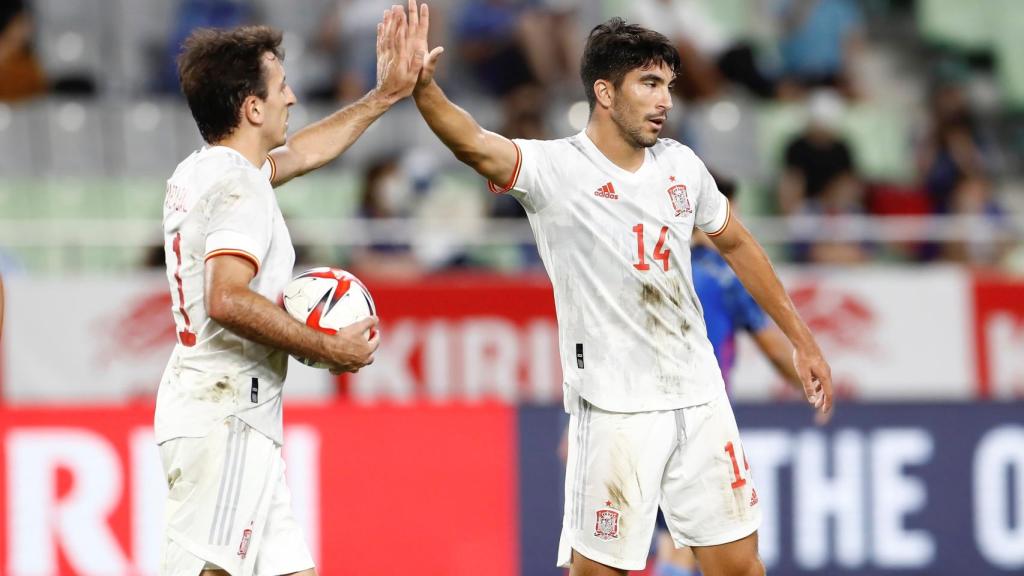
[660,252]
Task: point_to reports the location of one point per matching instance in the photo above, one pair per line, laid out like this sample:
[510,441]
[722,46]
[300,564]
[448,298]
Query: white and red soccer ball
[327,299]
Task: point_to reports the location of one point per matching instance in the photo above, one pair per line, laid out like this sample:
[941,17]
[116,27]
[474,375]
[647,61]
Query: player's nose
[665,100]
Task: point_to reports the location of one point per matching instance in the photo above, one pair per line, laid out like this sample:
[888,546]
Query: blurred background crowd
[857,131]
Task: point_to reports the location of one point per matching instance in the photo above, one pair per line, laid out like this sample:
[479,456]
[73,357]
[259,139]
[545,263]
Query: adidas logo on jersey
[607,191]
[753,497]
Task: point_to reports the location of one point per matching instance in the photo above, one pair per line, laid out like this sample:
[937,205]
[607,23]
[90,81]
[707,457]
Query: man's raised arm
[397,68]
[492,155]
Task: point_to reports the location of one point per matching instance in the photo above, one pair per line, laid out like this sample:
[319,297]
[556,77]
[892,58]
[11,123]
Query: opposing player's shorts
[622,466]
[228,506]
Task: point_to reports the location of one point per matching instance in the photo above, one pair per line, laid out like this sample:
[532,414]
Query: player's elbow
[471,150]
[220,305]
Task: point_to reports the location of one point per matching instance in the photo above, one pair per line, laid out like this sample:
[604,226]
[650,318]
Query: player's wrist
[383,98]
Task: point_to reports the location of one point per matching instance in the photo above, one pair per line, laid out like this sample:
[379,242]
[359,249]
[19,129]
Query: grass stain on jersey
[217,393]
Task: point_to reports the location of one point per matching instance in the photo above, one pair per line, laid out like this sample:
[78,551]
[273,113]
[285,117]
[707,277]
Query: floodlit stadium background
[442,457]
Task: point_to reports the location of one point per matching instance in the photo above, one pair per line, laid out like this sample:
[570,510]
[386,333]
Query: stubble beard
[631,133]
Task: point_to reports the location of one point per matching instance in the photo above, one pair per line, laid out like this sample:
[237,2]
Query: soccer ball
[327,299]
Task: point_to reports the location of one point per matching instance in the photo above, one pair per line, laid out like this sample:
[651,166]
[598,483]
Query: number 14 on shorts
[739,480]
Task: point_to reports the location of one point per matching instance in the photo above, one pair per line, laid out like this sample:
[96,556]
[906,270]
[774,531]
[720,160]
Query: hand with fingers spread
[816,377]
[419,20]
[398,62]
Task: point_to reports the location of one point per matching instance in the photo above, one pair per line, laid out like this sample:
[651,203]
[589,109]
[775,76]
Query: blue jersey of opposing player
[728,307]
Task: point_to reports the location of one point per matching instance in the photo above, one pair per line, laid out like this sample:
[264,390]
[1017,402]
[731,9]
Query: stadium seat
[70,43]
[955,23]
[77,139]
[143,134]
[19,139]
[1009,46]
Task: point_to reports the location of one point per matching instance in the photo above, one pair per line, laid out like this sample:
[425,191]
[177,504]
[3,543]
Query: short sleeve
[269,169]
[240,219]
[712,214]
[532,181]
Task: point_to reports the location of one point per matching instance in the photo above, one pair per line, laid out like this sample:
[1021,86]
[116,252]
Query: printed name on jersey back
[175,198]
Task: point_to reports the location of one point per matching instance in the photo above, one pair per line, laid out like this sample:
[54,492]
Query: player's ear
[252,109]
[603,91]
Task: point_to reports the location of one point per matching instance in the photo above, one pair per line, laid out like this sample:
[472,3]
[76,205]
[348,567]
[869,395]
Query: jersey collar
[611,167]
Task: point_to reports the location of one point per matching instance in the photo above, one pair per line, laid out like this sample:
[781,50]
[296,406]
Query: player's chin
[649,138]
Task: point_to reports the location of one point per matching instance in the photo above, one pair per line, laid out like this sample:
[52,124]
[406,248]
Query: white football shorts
[622,466]
[228,506]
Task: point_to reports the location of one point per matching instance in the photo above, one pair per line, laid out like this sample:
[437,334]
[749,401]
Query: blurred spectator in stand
[953,147]
[551,42]
[192,14]
[818,158]
[988,237]
[22,77]
[387,193]
[348,35]
[493,38]
[820,179]
[820,43]
[708,56]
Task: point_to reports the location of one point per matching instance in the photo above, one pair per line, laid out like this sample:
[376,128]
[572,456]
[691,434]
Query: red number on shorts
[660,253]
[740,481]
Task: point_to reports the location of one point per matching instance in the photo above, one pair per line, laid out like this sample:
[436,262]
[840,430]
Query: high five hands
[403,61]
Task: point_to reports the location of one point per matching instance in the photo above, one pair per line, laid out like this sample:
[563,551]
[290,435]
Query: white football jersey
[616,245]
[219,203]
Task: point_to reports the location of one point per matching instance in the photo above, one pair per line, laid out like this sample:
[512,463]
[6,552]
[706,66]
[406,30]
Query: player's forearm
[755,271]
[326,139]
[455,127]
[255,318]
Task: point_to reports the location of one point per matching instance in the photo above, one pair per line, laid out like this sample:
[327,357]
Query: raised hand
[419,27]
[398,62]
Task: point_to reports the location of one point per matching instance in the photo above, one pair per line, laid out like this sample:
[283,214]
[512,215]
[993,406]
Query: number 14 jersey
[616,245]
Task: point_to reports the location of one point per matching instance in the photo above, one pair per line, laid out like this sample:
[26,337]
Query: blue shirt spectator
[816,32]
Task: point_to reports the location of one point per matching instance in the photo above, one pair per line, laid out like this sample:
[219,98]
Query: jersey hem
[658,405]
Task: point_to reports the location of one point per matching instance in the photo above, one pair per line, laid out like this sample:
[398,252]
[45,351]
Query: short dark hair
[219,69]
[614,48]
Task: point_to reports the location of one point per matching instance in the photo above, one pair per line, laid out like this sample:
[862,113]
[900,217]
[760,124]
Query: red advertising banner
[890,335]
[464,337]
[382,490]
[999,337]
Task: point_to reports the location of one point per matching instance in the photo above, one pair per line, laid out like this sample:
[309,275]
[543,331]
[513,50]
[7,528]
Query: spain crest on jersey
[607,527]
[680,200]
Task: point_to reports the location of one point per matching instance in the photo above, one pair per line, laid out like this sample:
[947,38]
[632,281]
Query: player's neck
[608,139]
[248,145]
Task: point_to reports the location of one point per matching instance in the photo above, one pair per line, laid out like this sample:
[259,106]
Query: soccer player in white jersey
[229,256]
[613,209]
